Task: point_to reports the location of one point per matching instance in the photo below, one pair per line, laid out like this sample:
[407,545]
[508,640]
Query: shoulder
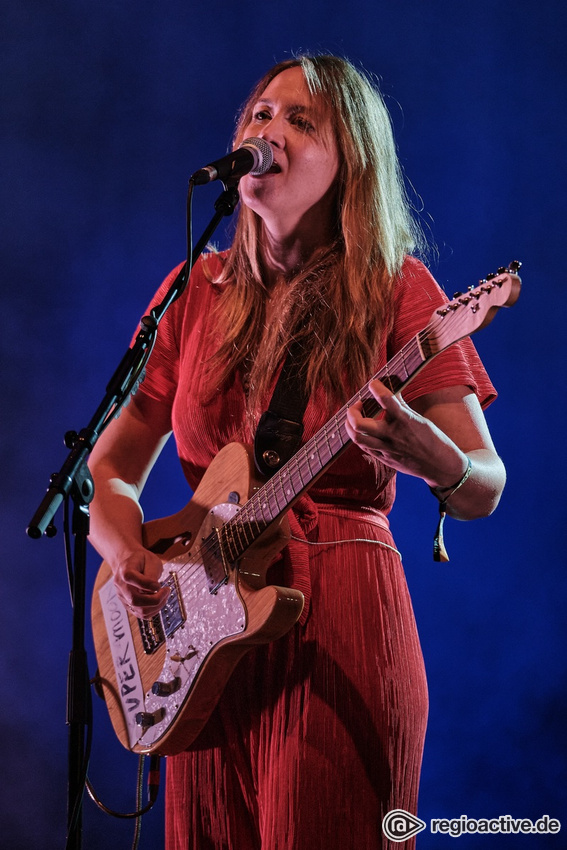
[200,289]
[415,279]
[208,267]
[416,295]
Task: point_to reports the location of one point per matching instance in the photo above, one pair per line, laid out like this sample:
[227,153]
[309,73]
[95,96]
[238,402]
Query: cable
[153,789]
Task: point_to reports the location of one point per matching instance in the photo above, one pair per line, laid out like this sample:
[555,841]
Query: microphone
[254,156]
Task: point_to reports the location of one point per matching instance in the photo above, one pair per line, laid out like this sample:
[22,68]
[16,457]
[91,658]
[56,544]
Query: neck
[284,253]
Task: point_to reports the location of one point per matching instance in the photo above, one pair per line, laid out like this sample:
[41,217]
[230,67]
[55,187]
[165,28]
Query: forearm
[116,519]
[120,464]
[116,533]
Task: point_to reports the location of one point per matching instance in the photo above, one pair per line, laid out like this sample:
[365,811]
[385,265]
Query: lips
[275,168]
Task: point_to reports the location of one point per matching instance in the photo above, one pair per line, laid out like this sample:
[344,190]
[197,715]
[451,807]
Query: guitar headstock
[472,310]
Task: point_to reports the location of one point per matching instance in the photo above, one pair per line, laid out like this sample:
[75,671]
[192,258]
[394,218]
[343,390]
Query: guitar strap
[279,431]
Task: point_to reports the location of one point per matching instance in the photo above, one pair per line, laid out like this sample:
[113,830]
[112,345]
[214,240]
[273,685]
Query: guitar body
[162,678]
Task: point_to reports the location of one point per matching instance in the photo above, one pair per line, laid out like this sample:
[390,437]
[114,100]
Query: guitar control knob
[165,689]
[145,719]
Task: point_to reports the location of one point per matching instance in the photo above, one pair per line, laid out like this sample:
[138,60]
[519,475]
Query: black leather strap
[279,432]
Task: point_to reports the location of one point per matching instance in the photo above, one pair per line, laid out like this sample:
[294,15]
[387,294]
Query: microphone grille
[263,155]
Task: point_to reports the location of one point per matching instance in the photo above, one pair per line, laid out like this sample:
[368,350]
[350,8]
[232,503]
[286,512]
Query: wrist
[449,468]
[126,553]
[445,493]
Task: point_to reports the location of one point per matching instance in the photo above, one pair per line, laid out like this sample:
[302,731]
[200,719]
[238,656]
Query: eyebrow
[293,109]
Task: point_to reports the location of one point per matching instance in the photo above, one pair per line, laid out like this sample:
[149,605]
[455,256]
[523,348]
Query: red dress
[319,734]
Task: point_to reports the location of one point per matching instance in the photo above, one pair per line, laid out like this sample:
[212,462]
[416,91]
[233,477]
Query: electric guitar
[161,678]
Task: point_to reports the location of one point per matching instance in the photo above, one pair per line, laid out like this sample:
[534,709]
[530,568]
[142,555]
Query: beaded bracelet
[439,550]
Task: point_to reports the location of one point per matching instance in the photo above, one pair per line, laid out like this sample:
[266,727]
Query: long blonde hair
[340,303]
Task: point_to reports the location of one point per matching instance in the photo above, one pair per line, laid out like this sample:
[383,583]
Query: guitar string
[186,572]
[312,448]
[183,574]
[248,513]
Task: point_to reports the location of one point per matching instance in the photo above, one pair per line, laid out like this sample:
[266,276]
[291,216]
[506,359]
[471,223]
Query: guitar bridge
[152,634]
[163,625]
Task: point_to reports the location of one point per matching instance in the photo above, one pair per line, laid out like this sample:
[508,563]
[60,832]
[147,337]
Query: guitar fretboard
[456,319]
[296,476]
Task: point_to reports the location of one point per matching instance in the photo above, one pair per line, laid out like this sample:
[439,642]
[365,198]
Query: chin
[259,199]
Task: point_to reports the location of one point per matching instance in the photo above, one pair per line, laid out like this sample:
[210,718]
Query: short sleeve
[162,372]
[161,375]
[417,296]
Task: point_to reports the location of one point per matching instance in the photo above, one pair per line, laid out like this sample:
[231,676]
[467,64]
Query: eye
[261,115]
[302,123]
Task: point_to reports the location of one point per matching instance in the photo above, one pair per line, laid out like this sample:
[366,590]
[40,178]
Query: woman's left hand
[433,443]
[405,440]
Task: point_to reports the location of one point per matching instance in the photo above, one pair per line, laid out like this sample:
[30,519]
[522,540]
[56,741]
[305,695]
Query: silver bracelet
[439,550]
[439,491]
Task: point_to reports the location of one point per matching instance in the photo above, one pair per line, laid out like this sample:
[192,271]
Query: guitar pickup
[214,561]
[172,613]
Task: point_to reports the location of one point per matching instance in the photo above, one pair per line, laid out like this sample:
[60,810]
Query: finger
[144,604]
[143,570]
[357,413]
[354,416]
[142,594]
[366,433]
[149,604]
[379,390]
[358,425]
[392,405]
[139,582]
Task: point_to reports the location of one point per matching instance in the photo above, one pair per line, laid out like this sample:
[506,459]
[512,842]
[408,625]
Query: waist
[361,513]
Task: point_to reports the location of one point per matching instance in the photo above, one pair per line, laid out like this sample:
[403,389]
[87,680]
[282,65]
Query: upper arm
[457,412]
[130,445]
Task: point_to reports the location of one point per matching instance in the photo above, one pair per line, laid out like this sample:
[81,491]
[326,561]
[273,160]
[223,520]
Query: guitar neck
[458,318]
[280,492]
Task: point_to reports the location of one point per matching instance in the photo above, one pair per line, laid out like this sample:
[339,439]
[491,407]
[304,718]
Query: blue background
[107,108]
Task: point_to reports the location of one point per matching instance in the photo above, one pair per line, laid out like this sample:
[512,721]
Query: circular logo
[399,825]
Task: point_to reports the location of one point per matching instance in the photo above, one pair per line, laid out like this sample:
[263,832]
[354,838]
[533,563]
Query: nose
[272,131]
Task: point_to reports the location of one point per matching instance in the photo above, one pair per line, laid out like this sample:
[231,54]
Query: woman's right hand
[136,578]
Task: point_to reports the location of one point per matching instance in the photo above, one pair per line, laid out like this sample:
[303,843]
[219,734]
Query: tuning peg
[515,266]
[490,276]
[457,295]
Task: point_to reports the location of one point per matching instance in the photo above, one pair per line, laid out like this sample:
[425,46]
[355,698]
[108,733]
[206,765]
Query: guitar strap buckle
[279,431]
[276,441]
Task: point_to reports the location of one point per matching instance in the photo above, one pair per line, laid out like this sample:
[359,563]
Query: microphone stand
[74,481]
